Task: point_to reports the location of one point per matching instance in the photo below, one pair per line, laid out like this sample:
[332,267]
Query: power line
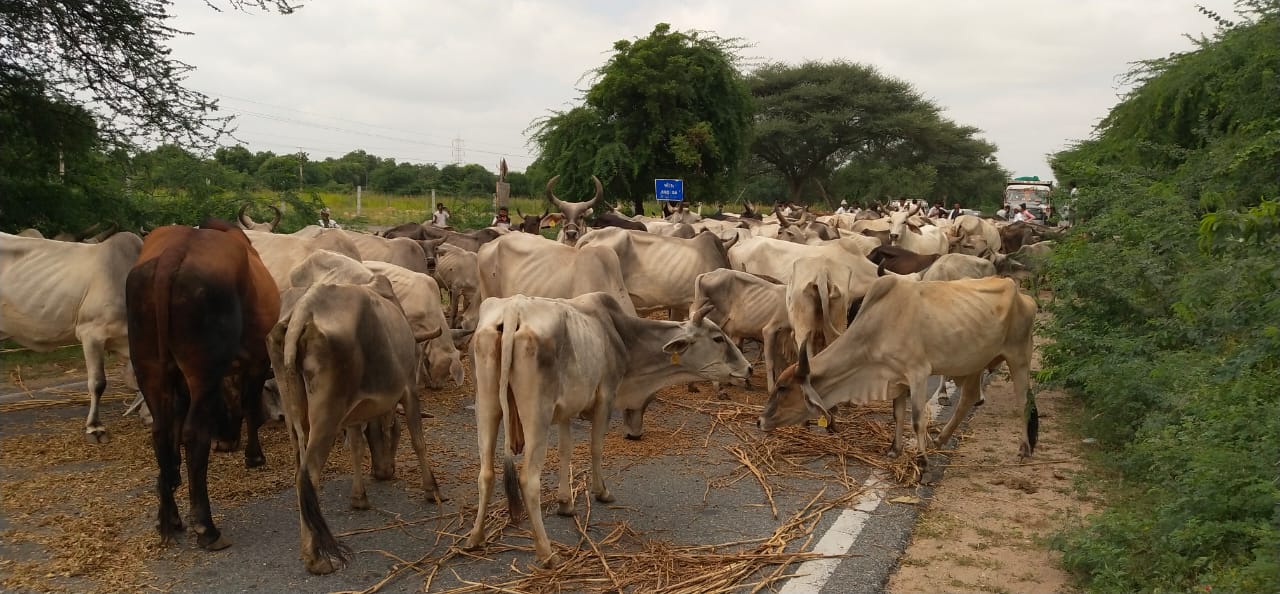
[513,152]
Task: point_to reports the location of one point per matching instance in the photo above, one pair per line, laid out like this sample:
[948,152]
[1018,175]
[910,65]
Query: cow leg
[535,437]
[355,442]
[599,427]
[168,452]
[488,422]
[197,440]
[1020,370]
[920,418]
[970,392]
[95,361]
[251,402]
[320,551]
[767,348]
[413,419]
[634,420]
[564,493]
[453,307]
[899,417]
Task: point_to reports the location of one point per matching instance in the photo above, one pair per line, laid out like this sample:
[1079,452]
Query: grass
[385,209]
[17,362]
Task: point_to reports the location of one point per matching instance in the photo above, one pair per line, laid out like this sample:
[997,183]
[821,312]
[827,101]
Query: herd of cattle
[338,328]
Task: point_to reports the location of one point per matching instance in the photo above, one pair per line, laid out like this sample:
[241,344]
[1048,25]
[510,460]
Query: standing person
[440,218]
[1003,213]
[936,210]
[955,212]
[844,207]
[502,219]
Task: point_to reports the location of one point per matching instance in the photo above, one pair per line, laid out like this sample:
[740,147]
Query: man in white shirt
[844,207]
[440,218]
[327,222]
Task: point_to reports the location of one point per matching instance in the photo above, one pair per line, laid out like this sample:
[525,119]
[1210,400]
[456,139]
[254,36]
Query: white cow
[775,258]
[544,361]
[282,253]
[659,271]
[820,292]
[458,274]
[55,293]
[526,264]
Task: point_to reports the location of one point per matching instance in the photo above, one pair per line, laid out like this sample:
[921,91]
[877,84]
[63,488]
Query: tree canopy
[669,105]
[848,129]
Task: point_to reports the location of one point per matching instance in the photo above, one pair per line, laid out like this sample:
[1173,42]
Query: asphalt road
[680,497]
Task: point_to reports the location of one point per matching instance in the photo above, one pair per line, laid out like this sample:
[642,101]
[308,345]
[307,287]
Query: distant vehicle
[1028,190]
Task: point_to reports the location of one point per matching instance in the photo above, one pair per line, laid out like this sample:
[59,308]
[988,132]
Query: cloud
[408,79]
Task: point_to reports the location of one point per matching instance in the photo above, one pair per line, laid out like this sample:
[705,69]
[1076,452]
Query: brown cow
[200,304]
[900,260]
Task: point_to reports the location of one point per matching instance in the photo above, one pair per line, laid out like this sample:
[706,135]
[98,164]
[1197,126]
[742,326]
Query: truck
[1028,190]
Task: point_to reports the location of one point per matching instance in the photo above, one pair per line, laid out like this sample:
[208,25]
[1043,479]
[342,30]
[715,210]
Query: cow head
[898,223]
[701,347]
[530,223]
[794,400]
[382,434]
[429,249]
[573,212]
[247,223]
[442,359]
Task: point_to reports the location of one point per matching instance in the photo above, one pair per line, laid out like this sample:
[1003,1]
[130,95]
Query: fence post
[432,209]
[358,189]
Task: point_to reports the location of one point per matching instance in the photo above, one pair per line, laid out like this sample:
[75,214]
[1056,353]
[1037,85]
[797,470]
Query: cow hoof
[474,541]
[98,435]
[892,453]
[693,388]
[634,437]
[322,566]
[722,396]
[553,561]
[361,502]
[255,461]
[944,400]
[605,497]
[980,402]
[214,544]
[923,461]
[565,509]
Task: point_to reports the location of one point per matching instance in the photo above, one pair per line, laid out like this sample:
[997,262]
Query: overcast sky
[409,78]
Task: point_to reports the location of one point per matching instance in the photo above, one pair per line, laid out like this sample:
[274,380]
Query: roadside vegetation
[1167,318]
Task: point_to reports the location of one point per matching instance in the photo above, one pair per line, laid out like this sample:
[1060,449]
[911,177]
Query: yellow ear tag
[822,421]
[675,358]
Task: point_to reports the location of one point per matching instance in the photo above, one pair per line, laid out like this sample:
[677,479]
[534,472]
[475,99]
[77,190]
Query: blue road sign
[671,190]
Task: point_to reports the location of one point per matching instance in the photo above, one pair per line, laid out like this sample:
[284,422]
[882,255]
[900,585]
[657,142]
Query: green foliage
[1167,318]
[669,105]
[849,131]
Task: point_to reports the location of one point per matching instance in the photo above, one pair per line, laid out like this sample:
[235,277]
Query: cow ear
[802,366]
[461,338]
[676,346]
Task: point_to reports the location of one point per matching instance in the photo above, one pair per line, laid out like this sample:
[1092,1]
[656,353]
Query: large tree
[669,105]
[847,129]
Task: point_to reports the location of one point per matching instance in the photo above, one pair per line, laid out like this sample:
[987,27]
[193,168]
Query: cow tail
[166,265]
[514,442]
[298,320]
[327,546]
[1033,421]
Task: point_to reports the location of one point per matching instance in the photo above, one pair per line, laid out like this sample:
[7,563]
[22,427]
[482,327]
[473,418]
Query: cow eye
[718,339]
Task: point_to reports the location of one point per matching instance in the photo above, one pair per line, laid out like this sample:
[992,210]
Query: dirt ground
[985,528]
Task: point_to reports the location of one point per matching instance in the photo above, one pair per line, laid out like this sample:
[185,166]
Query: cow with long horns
[574,213]
[246,222]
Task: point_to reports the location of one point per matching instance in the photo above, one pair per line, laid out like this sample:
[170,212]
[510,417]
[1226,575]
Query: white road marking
[813,574]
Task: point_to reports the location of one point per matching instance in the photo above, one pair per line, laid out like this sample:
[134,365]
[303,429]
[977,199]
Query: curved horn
[432,335]
[552,195]
[88,232]
[101,237]
[702,312]
[275,221]
[599,191]
[245,220]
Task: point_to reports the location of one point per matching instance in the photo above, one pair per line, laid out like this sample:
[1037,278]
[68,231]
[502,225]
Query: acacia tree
[672,104]
[848,129]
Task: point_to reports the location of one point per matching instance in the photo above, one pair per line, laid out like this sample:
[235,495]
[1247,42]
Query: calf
[200,303]
[543,361]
